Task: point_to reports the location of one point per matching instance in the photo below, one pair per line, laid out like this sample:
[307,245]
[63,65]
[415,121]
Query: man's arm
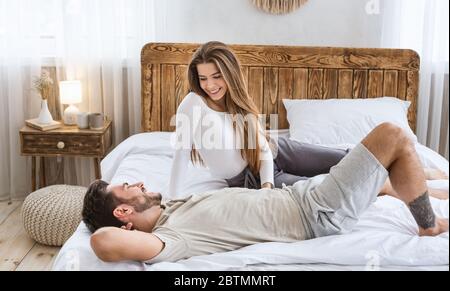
[113,244]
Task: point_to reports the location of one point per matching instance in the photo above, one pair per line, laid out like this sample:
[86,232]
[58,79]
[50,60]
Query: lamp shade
[70,92]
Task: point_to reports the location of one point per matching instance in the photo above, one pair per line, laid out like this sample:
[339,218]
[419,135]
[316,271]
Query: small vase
[45,116]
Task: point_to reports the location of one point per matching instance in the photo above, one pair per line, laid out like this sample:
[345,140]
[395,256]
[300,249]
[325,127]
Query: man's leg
[297,161]
[394,150]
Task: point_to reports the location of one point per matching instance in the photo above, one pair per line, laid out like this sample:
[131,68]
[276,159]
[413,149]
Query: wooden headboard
[274,73]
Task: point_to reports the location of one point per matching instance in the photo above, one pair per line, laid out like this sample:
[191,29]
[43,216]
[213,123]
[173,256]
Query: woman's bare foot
[441,226]
[388,190]
[437,193]
[435,174]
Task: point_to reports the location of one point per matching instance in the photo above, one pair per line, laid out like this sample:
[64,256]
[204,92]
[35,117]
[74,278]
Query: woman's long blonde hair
[237,100]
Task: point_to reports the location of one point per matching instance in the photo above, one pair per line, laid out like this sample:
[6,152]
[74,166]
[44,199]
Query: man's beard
[148,203]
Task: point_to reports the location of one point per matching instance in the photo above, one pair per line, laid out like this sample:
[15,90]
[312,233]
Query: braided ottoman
[51,215]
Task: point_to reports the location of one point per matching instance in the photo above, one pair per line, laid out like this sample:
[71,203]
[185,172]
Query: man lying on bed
[130,223]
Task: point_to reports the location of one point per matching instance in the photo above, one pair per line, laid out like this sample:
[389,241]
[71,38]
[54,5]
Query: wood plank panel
[155,109]
[330,84]
[315,90]
[360,84]
[375,84]
[390,86]
[402,84]
[181,84]
[301,79]
[412,93]
[270,91]
[286,91]
[345,84]
[168,101]
[256,86]
[147,96]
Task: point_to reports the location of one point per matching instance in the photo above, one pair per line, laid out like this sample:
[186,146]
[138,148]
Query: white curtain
[422,25]
[95,41]
[18,64]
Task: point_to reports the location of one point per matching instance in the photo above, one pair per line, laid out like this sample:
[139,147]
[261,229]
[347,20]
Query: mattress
[384,238]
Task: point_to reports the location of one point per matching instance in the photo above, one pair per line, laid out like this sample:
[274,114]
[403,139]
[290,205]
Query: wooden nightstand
[64,141]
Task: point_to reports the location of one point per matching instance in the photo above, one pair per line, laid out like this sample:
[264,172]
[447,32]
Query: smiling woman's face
[212,81]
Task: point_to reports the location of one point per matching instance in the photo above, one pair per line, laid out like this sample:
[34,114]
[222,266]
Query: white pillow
[343,121]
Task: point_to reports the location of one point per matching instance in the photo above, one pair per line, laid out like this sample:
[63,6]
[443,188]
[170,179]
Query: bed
[384,238]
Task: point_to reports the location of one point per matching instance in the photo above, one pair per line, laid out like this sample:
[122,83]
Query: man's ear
[123,211]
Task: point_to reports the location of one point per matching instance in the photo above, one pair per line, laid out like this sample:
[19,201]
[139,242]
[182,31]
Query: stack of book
[44,127]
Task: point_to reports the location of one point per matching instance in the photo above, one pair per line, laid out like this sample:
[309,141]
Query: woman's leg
[280,177]
[296,161]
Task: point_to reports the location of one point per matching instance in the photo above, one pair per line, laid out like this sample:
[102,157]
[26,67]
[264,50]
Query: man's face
[136,195]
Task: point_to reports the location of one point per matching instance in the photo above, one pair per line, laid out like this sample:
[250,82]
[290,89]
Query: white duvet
[384,238]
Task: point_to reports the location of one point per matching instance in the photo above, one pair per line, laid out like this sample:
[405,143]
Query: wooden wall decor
[278,6]
[273,73]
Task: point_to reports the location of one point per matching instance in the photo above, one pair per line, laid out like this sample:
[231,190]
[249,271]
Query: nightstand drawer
[37,144]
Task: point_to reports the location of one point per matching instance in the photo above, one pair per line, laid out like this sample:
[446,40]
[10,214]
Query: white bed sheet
[383,239]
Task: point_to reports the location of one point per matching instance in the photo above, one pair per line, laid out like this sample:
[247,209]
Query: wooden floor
[18,252]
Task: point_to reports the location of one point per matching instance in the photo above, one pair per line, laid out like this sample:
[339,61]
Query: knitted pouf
[51,215]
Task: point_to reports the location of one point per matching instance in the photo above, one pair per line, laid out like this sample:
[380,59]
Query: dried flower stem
[43,84]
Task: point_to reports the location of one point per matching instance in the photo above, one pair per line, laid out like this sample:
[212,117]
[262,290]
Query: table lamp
[70,93]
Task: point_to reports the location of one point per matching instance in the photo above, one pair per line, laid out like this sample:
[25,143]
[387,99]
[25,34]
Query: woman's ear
[122,211]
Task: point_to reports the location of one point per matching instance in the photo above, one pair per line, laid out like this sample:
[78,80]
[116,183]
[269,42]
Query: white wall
[317,23]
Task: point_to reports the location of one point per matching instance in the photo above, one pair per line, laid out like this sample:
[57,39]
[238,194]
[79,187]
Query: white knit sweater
[212,134]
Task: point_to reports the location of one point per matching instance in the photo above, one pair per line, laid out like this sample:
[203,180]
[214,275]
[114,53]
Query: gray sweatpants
[293,161]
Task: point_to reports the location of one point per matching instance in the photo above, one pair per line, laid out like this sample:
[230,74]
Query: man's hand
[128,226]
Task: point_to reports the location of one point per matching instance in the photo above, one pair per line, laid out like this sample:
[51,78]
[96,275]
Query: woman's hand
[267,186]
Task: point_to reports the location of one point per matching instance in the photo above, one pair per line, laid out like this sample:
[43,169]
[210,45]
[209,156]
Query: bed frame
[274,73]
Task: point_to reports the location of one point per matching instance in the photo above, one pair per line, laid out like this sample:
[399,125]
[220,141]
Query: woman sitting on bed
[235,147]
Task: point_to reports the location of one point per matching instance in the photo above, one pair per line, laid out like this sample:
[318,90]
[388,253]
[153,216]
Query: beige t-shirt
[226,220]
